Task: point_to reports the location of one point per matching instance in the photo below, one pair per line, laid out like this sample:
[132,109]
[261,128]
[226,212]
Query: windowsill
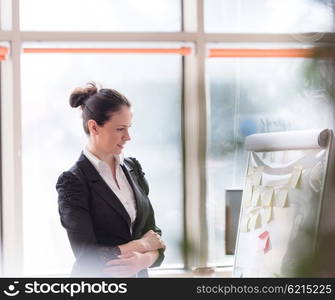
[219,272]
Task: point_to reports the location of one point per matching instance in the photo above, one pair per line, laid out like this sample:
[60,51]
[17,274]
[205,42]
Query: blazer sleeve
[73,205]
[150,223]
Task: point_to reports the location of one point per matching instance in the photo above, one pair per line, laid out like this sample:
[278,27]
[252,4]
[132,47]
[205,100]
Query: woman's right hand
[152,241]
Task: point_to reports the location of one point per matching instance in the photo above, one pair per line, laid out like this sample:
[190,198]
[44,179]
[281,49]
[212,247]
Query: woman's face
[113,135]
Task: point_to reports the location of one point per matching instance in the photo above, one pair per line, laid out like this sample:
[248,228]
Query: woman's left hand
[128,264]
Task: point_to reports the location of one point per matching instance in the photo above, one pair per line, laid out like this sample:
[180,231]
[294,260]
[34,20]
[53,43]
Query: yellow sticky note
[247,194]
[251,170]
[244,224]
[281,197]
[295,176]
[255,222]
[255,201]
[266,214]
[257,176]
[266,196]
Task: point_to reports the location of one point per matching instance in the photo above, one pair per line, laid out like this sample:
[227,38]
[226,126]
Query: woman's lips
[121,146]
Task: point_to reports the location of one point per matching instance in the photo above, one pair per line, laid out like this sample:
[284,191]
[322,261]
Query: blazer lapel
[100,186]
[130,174]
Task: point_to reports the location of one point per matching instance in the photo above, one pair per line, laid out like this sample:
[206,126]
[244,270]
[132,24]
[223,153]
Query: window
[101,15]
[269,16]
[241,104]
[53,138]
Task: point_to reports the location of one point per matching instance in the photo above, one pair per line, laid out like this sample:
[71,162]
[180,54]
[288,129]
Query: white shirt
[124,191]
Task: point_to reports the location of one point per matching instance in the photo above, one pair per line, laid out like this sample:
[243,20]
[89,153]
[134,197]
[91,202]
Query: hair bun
[80,95]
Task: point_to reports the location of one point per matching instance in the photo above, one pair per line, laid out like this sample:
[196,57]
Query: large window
[101,15]
[270,16]
[53,139]
[256,95]
[201,75]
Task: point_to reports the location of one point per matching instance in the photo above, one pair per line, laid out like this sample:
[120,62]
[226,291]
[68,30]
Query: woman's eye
[119,129]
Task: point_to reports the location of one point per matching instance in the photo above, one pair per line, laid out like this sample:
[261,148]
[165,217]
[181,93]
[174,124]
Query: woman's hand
[148,242]
[152,241]
[128,264]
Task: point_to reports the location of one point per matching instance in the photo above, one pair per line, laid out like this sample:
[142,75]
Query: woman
[103,201]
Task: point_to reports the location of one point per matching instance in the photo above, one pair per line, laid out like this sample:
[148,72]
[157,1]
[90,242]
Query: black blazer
[95,219]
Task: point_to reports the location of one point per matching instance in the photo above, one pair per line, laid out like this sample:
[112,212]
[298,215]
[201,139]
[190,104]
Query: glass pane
[101,15]
[53,139]
[5,14]
[269,16]
[252,95]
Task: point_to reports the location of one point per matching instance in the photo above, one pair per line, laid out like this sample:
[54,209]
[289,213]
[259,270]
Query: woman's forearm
[135,245]
[150,241]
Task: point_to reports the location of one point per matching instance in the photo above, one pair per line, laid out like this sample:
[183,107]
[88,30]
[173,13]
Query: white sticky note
[281,197]
[255,200]
[257,176]
[266,196]
[295,176]
[255,222]
[247,194]
[251,170]
[266,214]
[254,210]
[244,224]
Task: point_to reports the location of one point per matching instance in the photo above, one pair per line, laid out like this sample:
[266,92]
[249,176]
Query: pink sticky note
[264,235]
[267,246]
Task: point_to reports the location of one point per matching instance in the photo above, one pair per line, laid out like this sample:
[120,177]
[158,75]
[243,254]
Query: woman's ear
[92,127]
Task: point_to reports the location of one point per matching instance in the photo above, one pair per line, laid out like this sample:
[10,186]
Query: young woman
[103,201]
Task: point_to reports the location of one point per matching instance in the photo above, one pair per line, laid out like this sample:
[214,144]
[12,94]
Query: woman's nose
[127,137]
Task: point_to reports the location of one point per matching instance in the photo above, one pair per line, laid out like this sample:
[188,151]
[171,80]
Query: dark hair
[97,105]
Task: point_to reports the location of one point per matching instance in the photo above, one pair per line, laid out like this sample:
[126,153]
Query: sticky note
[266,196]
[295,176]
[267,246]
[251,170]
[254,222]
[266,214]
[257,176]
[255,201]
[281,197]
[254,210]
[247,194]
[264,235]
[244,224]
